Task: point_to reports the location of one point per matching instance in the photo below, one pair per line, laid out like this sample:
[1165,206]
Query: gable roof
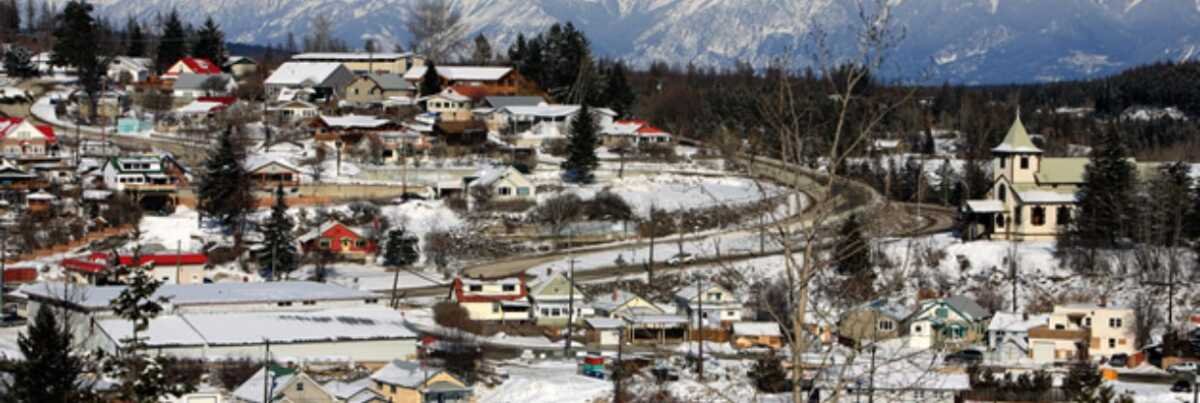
[391,82]
[9,125]
[460,294]
[689,293]
[554,279]
[502,101]
[407,374]
[300,73]
[354,121]
[460,73]
[326,227]
[471,92]
[963,305]
[200,65]
[256,162]
[489,176]
[1017,140]
[892,308]
[232,60]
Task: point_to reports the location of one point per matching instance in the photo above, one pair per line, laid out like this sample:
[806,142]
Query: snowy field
[375,278]
[179,230]
[677,192]
[546,382]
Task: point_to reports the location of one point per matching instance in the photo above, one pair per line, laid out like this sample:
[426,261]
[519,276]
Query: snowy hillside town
[188,219]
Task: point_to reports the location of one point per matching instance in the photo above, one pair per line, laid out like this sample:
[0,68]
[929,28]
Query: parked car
[1184,368]
[681,258]
[1181,386]
[964,357]
[1119,360]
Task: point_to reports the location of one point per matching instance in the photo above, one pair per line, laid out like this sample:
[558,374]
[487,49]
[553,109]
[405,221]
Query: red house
[184,268]
[19,275]
[193,65]
[340,239]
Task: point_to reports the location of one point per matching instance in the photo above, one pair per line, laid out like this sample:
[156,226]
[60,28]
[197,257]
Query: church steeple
[1017,140]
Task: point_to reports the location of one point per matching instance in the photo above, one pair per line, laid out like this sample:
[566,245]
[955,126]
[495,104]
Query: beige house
[621,303]
[376,88]
[411,382]
[241,66]
[880,319]
[286,385]
[947,323]
[1079,331]
[450,105]
[363,62]
[506,183]
[552,298]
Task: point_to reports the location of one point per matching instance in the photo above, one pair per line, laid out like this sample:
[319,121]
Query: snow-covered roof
[461,73]
[355,121]
[252,389]
[488,176]
[1015,322]
[985,206]
[199,108]
[254,162]
[893,308]
[252,328]
[657,319]
[605,323]
[346,390]
[408,374]
[757,329]
[295,73]
[351,56]
[41,195]
[1017,140]
[1045,196]
[99,297]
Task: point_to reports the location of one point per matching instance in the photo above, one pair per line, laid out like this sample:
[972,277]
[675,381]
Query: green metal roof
[1061,170]
[1017,140]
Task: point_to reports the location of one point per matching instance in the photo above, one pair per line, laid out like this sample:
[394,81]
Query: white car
[681,258]
[1184,367]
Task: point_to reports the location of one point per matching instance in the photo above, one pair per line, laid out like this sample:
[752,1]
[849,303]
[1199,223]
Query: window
[1063,215]
[495,307]
[508,288]
[1024,162]
[475,288]
[1002,193]
[1002,161]
[556,312]
[371,301]
[1017,219]
[545,311]
[1038,216]
[886,325]
[917,329]
[504,191]
[309,302]
[361,243]
[731,313]
[299,386]
[1112,343]
[1087,322]
[284,303]
[999,220]
[714,296]
[522,191]
[942,312]
[1114,323]
[324,243]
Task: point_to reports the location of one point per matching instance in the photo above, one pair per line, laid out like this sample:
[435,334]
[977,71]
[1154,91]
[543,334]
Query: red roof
[85,266]
[200,66]
[15,275]
[8,124]
[221,100]
[647,129]
[474,92]
[98,261]
[458,293]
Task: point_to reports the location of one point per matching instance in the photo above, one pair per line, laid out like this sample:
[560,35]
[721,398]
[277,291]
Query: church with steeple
[1032,196]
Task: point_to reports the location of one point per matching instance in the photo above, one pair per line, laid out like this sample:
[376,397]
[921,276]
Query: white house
[952,322]
[136,173]
[326,79]
[495,300]
[634,132]
[284,385]
[292,111]
[192,86]
[191,65]
[136,69]
[506,183]
[717,306]
[552,301]
[1008,335]
[23,139]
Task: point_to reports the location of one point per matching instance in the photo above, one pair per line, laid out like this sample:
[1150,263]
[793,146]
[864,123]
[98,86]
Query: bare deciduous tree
[436,28]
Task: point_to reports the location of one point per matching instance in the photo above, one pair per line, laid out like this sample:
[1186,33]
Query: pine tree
[225,190]
[852,250]
[581,148]
[482,54]
[75,45]
[19,63]
[30,16]
[136,46]
[278,255]
[430,82]
[12,16]
[620,95]
[172,46]
[1105,196]
[1169,202]
[400,250]
[143,379]
[51,370]
[210,43]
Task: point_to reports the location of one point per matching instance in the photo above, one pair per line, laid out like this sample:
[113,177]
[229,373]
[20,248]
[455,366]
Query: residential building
[137,174]
[604,331]
[620,303]
[292,111]
[377,88]
[757,335]
[240,66]
[269,172]
[716,306]
[284,385]
[504,300]
[500,81]
[454,104]
[359,391]
[552,298]
[16,179]
[1008,335]
[21,139]
[190,86]
[170,268]
[634,133]
[947,323]
[361,335]
[518,118]
[192,65]
[876,320]
[339,239]
[364,62]
[412,382]
[505,183]
[125,69]
[1110,329]
[325,80]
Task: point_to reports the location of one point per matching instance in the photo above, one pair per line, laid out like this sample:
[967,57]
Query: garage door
[1043,351]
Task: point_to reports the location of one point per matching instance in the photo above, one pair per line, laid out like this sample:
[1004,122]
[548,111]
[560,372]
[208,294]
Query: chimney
[1025,316]
[616,293]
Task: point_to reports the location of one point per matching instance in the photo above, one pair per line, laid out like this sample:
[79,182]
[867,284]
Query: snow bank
[546,382]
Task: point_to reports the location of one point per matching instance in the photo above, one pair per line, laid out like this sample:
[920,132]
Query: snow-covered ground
[677,192]
[179,230]
[545,382]
[376,278]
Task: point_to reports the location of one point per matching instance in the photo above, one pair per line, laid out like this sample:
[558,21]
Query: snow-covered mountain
[985,41]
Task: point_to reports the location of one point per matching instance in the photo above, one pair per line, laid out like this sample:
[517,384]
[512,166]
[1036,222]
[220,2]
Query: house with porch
[339,239]
[268,172]
[502,300]
[715,305]
[552,298]
[947,323]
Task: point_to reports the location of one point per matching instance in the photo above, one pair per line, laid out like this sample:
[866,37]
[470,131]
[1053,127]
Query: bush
[555,147]
[769,376]
[608,206]
[664,152]
[452,315]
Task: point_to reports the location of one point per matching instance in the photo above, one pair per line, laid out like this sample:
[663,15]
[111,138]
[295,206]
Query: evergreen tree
[517,53]
[400,250]
[143,379]
[10,14]
[224,191]
[581,148]
[50,371]
[75,45]
[210,43]
[620,95]
[172,46]
[948,181]
[482,55]
[19,63]
[1083,384]
[31,16]
[1169,201]
[852,249]
[431,83]
[1105,196]
[278,255]
[136,46]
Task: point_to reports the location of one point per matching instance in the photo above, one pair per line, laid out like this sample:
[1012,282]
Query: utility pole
[3,268]
[570,295]
[653,233]
[871,387]
[178,261]
[617,373]
[267,386]
[700,323]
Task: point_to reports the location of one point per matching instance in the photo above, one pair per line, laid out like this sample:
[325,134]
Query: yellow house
[286,385]
[411,382]
[376,88]
[620,303]
[364,62]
